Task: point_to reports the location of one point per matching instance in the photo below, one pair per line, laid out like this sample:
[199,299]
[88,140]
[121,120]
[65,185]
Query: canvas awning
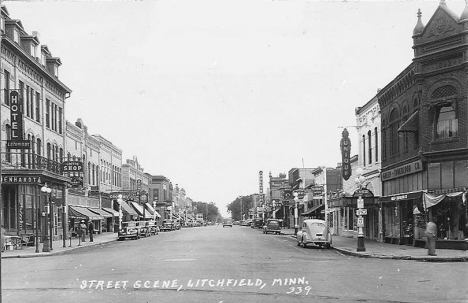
[83,213]
[140,211]
[313,209]
[111,211]
[152,210]
[432,200]
[101,212]
[410,125]
[127,209]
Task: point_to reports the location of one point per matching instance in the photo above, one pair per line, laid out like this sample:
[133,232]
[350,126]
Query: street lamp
[119,199]
[360,179]
[154,207]
[296,224]
[48,204]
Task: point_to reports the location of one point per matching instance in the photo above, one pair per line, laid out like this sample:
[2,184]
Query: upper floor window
[446,122]
[443,112]
[33,50]
[394,124]
[6,81]
[376,145]
[16,36]
[369,144]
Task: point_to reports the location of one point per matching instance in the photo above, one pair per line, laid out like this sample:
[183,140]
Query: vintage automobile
[257,223]
[272,226]
[177,225]
[167,225]
[227,222]
[152,227]
[130,229]
[314,231]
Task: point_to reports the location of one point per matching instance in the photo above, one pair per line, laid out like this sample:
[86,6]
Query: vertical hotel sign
[16,116]
[260,175]
[345,146]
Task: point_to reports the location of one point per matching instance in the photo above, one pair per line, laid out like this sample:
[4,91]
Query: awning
[101,212]
[111,211]
[150,208]
[77,212]
[410,125]
[309,211]
[432,200]
[140,211]
[128,209]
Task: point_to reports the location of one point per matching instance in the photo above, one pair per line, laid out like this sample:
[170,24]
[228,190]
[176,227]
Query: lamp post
[360,179]
[154,207]
[119,199]
[47,191]
[296,223]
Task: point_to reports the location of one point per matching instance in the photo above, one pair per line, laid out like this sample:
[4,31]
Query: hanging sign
[16,116]
[345,146]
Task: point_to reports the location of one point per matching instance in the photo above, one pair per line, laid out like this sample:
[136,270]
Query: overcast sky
[210,92]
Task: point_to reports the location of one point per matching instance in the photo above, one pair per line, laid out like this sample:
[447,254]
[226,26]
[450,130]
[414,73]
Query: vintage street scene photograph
[226,151]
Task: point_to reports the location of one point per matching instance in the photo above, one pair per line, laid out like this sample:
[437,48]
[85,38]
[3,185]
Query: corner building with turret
[424,119]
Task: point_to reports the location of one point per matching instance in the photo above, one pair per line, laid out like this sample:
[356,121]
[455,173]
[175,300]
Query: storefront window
[392,221]
[451,218]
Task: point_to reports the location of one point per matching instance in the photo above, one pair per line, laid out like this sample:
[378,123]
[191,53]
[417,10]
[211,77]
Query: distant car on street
[257,223]
[153,227]
[227,222]
[314,231]
[272,226]
[167,225]
[130,229]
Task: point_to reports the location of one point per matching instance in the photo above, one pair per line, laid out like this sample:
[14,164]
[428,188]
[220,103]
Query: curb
[392,257]
[56,253]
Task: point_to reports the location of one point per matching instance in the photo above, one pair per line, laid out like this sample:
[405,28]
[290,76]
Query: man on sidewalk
[431,236]
[91,230]
[83,231]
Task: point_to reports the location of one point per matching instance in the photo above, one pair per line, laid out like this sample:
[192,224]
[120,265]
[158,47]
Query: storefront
[401,217]
[27,210]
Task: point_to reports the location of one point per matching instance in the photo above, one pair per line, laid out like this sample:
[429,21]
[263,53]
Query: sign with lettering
[16,116]
[345,146]
[317,190]
[21,179]
[18,144]
[72,166]
[402,170]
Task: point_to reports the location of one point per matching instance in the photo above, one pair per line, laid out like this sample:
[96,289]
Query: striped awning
[111,211]
[127,209]
[83,213]
[101,212]
[140,211]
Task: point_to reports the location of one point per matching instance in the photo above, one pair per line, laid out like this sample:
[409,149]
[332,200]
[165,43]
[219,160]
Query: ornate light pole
[48,204]
[360,179]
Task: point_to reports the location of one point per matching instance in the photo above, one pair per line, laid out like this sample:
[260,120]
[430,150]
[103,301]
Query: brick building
[424,135]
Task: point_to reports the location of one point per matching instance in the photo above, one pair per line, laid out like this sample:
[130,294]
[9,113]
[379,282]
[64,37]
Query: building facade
[32,134]
[424,135]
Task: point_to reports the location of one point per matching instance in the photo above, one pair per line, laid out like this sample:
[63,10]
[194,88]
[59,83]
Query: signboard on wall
[345,146]
[402,170]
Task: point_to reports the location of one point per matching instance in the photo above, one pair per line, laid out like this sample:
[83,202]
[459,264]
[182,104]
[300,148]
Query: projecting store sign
[16,116]
[345,145]
[72,166]
[21,180]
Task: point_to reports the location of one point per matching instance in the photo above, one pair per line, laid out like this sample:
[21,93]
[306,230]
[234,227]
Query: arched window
[364,150]
[369,146]
[394,124]
[376,145]
[443,112]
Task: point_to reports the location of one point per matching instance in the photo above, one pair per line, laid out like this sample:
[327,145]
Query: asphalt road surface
[229,265]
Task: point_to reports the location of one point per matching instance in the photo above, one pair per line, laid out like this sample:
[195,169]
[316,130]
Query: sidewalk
[381,250]
[57,247]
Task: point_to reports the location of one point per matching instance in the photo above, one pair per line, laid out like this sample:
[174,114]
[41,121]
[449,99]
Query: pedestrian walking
[83,231]
[431,236]
[91,230]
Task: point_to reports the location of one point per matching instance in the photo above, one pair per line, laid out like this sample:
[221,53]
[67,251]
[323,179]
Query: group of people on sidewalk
[81,231]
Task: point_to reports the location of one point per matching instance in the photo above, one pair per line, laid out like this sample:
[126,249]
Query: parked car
[314,231]
[152,227]
[144,229]
[257,223]
[167,225]
[272,226]
[177,225]
[130,229]
[227,222]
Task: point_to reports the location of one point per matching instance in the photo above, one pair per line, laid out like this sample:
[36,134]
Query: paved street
[216,264]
